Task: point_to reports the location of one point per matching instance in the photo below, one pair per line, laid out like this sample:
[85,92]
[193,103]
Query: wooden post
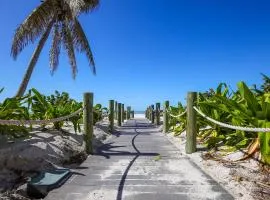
[115,109]
[150,115]
[88,121]
[119,107]
[153,114]
[128,112]
[111,115]
[157,113]
[133,114]
[145,113]
[123,113]
[191,123]
[166,117]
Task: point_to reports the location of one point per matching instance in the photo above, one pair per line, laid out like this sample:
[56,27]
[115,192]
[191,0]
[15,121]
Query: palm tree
[60,18]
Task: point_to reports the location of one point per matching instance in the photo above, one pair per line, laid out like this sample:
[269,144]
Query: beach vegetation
[37,106]
[245,107]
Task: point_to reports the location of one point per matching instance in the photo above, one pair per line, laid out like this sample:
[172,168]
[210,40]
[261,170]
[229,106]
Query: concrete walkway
[139,164]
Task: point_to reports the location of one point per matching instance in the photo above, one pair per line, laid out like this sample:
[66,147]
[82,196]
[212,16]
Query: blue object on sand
[40,185]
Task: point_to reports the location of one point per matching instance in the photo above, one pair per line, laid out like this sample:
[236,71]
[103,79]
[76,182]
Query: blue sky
[148,51]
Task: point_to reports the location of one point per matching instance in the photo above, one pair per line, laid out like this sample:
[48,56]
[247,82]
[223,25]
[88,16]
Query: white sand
[139,116]
[241,189]
[44,150]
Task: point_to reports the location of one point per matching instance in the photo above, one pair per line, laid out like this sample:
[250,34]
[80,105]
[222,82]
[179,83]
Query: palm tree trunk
[33,61]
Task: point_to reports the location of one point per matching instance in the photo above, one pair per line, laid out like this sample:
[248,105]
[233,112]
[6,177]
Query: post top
[88,93]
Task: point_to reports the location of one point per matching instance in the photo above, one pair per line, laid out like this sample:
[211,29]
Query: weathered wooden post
[123,112]
[150,113]
[157,113]
[191,123]
[88,121]
[115,109]
[128,112]
[133,114]
[111,115]
[166,117]
[153,114]
[119,112]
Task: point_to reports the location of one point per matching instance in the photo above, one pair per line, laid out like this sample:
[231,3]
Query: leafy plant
[13,109]
[245,107]
[99,112]
[74,106]
[37,106]
[177,124]
[54,106]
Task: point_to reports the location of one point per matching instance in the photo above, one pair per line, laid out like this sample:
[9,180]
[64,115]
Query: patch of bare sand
[238,179]
[44,150]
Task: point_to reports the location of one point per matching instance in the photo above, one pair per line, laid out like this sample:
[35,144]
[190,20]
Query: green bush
[37,106]
[244,107]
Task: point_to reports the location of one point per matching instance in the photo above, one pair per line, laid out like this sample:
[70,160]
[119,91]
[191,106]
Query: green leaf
[265,144]
[242,143]
[249,97]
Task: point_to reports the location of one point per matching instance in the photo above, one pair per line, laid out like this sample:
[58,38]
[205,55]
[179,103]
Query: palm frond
[68,45]
[266,85]
[90,5]
[78,6]
[81,43]
[75,6]
[55,48]
[34,26]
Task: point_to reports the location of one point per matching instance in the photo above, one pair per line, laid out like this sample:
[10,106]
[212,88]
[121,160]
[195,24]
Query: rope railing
[176,116]
[240,128]
[39,122]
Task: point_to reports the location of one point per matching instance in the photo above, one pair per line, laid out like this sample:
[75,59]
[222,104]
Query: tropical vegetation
[246,107]
[37,106]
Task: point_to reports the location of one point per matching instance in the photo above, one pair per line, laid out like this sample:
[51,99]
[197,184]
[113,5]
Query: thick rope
[240,128]
[176,116]
[39,122]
